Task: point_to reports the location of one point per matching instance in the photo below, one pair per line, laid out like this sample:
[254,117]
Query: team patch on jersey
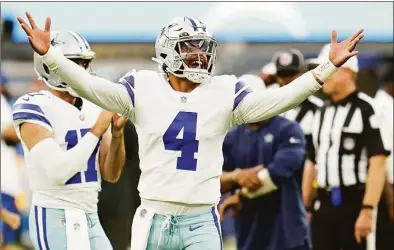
[268,138]
[143,213]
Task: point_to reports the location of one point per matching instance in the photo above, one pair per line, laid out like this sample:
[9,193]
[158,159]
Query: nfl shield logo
[183,99]
[76,226]
[143,213]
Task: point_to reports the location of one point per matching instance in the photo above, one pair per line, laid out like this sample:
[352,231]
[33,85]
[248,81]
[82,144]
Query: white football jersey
[68,125]
[180,136]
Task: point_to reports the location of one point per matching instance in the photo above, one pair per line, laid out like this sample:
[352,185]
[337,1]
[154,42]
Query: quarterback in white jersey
[182,115]
[68,148]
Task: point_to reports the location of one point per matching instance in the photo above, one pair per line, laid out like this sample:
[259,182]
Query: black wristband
[365,206]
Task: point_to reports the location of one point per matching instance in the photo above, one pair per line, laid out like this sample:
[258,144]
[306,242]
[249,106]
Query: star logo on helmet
[55,41]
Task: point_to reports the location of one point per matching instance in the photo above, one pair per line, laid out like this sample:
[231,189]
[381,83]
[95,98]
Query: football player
[68,149]
[182,114]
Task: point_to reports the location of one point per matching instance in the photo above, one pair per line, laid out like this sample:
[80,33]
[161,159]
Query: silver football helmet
[186,49]
[75,48]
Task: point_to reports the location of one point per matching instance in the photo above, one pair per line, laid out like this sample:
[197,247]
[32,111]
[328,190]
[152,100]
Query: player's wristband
[49,59]
[369,207]
[324,71]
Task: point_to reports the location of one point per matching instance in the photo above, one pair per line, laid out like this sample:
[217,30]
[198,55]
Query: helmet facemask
[196,59]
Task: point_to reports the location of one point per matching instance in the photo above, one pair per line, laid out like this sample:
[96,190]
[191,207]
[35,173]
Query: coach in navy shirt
[260,162]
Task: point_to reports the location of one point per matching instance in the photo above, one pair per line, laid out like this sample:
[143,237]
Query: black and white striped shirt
[345,135]
[303,114]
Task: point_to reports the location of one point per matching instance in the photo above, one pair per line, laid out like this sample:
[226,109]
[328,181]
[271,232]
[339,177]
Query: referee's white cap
[252,81]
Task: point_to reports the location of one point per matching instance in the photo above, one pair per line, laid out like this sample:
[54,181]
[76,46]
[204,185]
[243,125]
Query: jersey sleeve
[128,82]
[255,106]
[108,95]
[29,108]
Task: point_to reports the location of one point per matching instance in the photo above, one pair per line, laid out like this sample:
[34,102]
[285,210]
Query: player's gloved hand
[40,40]
[248,178]
[102,123]
[118,123]
[232,202]
[341,52]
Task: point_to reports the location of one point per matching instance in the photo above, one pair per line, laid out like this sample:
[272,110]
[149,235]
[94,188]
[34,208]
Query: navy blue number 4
[188,145]
[91,172]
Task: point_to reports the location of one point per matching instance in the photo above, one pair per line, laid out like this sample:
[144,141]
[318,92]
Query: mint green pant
[186,232]
[48,231]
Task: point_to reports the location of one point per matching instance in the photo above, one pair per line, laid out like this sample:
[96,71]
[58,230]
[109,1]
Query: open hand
[40,40]
[341,52]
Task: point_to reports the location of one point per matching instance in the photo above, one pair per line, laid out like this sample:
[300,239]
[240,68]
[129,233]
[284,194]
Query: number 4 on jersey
[185,122]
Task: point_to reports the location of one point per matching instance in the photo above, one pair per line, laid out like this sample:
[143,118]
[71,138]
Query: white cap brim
[253,82]
[269,69]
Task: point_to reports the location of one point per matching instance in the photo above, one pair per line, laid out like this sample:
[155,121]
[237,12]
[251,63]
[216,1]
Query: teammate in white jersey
[182,115]
[68,149]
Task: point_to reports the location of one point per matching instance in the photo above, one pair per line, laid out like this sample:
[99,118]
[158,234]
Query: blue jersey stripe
[130,80]
[239,86]
[28,106]
[30,116]
[241,96]
[129,90]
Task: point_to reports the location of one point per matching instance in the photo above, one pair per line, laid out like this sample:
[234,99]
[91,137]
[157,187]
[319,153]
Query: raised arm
[256,106]
[110,96]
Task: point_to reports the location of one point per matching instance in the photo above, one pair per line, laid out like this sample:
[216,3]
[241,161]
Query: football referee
[350,160]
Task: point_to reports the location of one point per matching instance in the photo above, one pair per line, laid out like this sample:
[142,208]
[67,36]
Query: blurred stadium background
[123,33]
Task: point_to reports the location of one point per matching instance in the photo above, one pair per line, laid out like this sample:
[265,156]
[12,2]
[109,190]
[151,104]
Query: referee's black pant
[333,226]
